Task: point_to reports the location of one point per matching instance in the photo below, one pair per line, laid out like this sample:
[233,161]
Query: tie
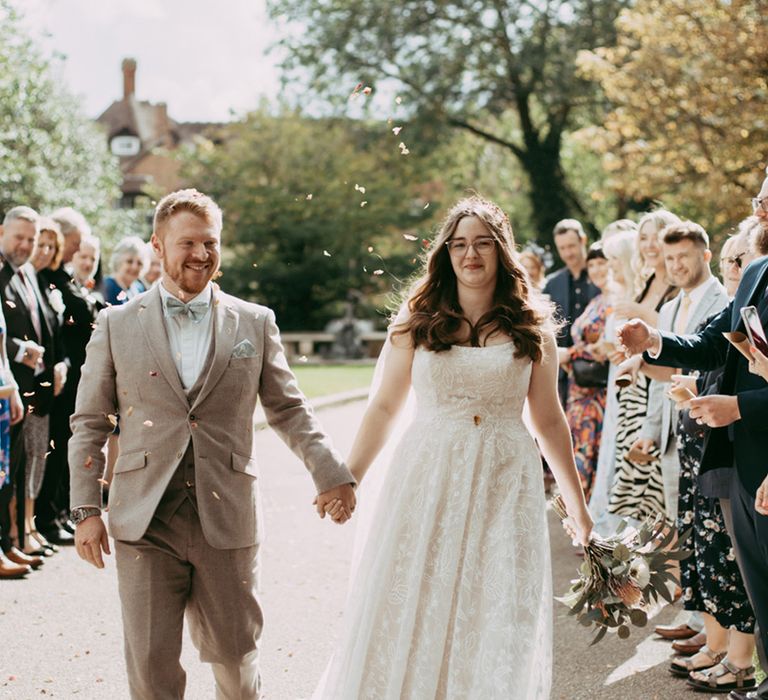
[34,311]
[195,309]
[682,314]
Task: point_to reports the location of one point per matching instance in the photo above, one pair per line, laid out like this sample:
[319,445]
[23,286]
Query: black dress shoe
[58,535]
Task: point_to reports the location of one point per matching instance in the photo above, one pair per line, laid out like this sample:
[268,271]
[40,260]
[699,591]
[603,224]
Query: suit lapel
[153,326]
[224,332]
[749,298]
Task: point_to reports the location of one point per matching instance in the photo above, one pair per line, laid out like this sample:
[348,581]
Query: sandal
[682,666]
[715,673]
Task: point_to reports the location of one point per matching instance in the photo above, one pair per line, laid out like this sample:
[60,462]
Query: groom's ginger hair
[189,200]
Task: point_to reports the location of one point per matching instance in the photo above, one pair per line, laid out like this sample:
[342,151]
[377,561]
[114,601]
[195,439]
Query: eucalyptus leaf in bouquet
[624,575]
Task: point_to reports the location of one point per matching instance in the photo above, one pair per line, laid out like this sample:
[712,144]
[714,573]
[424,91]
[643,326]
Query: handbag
[590,374]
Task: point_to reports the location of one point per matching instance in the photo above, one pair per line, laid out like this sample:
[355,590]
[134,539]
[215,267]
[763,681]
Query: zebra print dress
[638,489]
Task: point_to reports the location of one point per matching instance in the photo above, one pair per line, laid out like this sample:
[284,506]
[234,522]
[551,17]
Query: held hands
[338,502]
[90,539]
[643,444]
[716,410]
[33,354]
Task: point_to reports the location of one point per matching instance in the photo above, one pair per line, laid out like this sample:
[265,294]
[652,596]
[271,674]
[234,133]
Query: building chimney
[129,77]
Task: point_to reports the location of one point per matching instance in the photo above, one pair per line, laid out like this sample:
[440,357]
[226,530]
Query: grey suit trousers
[171,571]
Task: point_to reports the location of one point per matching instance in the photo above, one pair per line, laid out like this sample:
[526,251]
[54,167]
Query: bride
[452,596]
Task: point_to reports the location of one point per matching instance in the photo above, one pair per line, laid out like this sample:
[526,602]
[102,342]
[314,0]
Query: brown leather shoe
[689,647]
[18,557]
[9,570]
[677,632]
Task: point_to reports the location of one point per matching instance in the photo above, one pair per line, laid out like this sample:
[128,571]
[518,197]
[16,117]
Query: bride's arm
[554,436]
[385,405]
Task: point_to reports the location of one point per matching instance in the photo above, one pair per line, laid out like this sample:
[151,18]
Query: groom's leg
[154,582]
[224,615]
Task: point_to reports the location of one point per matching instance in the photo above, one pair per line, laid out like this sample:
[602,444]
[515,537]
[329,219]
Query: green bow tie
[195,309]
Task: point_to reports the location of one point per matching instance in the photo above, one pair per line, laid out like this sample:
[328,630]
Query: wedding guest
[637,489]
[31,346]
[620,250]
[127,264]
[14,563]
[47,255]
[569,288]
[534,266]
[616,227]
[52,505]
[588,368]
[710,578]
[152,270]
[736,416]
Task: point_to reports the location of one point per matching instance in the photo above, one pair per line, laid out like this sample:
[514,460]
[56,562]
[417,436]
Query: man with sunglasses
[737,416]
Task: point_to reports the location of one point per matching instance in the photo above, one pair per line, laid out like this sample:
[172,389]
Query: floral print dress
[710,578]
[586,405]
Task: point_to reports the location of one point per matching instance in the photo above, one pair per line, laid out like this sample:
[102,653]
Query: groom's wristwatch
[77,515]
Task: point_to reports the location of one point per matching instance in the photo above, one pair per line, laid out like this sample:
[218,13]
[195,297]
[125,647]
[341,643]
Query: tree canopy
[51,153]
[314,209]
[688,84]
[502,71]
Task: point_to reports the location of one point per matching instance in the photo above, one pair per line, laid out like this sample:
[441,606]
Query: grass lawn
[321,380]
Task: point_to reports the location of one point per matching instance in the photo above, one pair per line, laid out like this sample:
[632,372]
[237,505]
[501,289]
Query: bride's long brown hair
[518,310]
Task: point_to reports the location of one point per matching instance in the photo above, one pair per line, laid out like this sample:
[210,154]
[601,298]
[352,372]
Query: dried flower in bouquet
[624,574]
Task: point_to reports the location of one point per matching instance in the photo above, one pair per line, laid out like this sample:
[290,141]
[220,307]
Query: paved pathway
[60,630]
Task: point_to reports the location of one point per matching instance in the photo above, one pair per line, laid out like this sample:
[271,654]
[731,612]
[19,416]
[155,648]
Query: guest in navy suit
[569,288]
[737,416]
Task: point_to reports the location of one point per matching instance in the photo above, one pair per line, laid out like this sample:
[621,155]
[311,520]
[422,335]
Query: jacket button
[477,420]
[192,416]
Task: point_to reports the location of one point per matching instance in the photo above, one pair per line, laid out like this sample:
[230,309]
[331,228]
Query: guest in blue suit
[738,416]
[569,288]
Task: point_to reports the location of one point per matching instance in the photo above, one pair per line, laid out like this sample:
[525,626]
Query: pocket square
[244,349]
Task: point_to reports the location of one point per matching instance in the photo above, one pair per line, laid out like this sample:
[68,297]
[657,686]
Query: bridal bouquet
[623,575]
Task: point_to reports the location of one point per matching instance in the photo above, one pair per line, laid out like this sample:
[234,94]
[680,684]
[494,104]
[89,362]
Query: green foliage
[51,153]
[300,234]
[504,72]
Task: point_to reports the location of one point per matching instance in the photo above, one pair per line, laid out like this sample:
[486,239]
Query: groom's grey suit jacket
[129,369]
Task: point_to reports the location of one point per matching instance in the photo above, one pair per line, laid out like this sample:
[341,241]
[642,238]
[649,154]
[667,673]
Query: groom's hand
[90,539]
[344,493]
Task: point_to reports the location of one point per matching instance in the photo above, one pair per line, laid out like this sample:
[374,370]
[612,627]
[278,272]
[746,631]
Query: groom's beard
[191,282]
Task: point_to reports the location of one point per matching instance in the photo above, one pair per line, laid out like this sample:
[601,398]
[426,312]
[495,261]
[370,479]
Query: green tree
[315,209]
[466,63]
[51,153]
[688,85]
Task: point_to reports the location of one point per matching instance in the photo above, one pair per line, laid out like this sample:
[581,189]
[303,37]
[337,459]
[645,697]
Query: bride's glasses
[484,245]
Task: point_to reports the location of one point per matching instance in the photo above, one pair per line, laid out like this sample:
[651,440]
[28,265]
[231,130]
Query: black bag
[590,374]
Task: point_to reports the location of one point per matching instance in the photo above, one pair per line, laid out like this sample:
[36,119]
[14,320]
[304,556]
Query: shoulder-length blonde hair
[436,318]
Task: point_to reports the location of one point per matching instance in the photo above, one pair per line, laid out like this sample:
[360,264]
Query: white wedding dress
[452,596]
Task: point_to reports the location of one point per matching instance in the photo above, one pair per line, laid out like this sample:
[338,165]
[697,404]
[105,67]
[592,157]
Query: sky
[204,58]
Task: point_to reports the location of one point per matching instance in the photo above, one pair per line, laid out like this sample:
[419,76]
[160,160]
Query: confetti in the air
[410,237]
[378,272]
[309,196]
[327,254]
[359,188]
[397,130]
[148,423]
[112,419]
[403,149]
[367,90]
[364,202]
[370,248]
[216,495]
[398,100]
[426,206]
[88,462]
[129,412]
[152,373]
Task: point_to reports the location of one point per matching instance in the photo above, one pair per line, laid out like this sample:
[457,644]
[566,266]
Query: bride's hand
[579,527]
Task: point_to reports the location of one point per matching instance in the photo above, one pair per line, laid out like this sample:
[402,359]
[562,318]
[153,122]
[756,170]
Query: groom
[183,366]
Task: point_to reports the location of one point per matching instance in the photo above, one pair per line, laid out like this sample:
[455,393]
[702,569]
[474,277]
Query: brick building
[142,135]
